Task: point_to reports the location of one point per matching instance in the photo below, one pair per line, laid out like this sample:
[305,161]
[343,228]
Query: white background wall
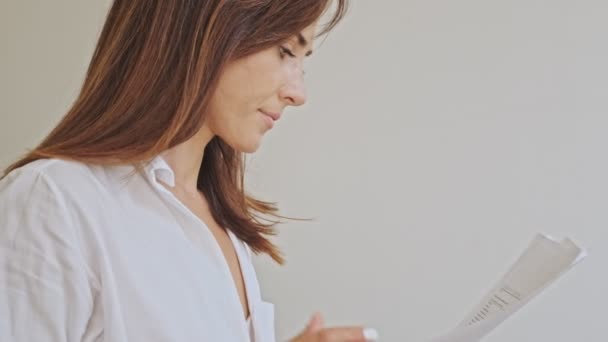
[439,137]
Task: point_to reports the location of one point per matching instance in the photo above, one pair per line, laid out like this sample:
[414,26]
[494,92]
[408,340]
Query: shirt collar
[159,170]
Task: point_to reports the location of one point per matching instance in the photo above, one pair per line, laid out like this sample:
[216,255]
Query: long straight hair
[148,87]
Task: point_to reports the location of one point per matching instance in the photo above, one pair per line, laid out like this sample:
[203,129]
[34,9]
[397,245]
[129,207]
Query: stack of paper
[538,266]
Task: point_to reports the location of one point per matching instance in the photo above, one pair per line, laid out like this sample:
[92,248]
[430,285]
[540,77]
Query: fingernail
[370,334]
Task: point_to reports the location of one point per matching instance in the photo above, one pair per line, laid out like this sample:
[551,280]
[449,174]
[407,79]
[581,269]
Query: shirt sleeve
[45,292]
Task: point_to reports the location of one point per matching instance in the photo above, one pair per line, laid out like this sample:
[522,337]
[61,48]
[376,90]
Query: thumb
[315,324]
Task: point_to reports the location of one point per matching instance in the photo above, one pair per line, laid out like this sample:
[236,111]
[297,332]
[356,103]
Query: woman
[129,222]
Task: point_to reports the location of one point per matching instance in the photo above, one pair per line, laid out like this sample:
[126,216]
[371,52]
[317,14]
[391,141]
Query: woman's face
[253,92]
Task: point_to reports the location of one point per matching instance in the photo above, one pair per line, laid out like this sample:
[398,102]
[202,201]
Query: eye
[285,51]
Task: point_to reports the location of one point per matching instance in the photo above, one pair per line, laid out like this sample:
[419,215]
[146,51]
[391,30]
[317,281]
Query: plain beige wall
[46,47]
[438,138]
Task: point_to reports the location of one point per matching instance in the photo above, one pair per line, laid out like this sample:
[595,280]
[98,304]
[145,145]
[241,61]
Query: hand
[316,332]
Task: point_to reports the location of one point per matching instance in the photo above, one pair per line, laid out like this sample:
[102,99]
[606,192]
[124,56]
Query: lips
[275,116]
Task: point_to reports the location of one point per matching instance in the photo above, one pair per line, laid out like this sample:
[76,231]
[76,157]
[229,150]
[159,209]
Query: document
[545,260]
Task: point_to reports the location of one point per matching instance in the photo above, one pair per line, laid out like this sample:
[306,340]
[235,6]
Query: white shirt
[99,253]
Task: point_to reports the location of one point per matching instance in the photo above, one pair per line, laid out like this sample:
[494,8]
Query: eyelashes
[285,51]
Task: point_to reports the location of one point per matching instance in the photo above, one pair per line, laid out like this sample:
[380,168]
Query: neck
[185,160]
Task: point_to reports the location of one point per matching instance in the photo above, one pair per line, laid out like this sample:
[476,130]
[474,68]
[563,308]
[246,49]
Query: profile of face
[253,92]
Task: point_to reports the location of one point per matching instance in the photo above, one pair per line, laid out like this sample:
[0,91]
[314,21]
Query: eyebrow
[303,43]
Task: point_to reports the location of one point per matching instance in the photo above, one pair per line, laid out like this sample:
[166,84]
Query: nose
[293,92]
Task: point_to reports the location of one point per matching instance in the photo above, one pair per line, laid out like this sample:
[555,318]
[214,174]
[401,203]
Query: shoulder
[37,214]
[42,174]
[38,236]
[28,184]
[30,197]
[42,199]
[63,180]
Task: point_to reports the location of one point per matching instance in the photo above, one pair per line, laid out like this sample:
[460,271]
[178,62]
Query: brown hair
[149,83]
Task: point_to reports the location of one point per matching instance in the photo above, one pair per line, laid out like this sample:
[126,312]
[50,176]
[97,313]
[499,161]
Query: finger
[350,334]
[315,324]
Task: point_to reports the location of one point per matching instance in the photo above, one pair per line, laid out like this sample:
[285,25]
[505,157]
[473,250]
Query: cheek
[245,87]
[240,97]
[230,114]
[225,104]
[261,78]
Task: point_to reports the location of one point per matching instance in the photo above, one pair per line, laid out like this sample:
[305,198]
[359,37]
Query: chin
[246,146]
[248,149]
